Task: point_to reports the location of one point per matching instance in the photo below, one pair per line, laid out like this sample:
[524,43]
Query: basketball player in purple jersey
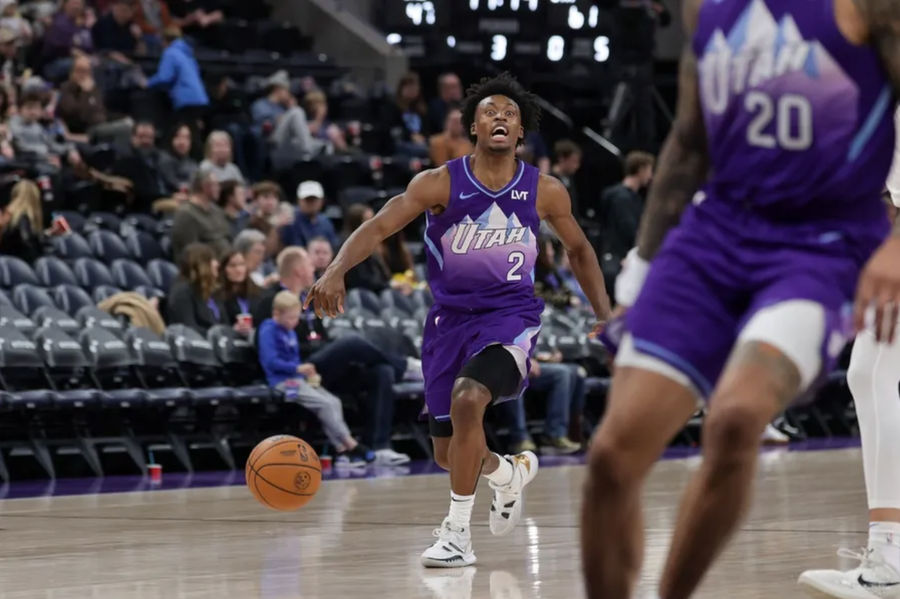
[761,226]
[483,216]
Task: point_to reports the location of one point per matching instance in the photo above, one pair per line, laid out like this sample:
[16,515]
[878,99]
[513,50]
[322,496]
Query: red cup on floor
[325,460]
[155,471]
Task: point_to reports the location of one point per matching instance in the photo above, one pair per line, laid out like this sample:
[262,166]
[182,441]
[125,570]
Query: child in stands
[279,354]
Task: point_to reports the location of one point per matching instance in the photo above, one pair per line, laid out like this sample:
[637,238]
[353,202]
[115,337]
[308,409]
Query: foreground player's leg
[645,411]
[758,382]
[873,378]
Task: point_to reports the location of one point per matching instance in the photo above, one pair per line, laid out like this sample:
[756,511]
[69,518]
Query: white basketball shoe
[506,507]
[453,548]
[872,579]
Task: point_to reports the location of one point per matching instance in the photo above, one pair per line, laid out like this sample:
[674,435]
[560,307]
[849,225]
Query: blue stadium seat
[129,275]
[162,273]
[91,316]
[102,292]
[140,222]
[143,247]
[11,317]
[71,298]
[150,291]
[357,195]
[71,247]
[28,298]
[365,299]
[198,365]
[76,220]
[240,364]
[46,316]
[91,273]
[103,220]
[4,299]
[108,246]
[51,271]
[394,298]
[14,271]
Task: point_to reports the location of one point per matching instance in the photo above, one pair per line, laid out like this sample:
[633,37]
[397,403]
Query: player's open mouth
[499,133]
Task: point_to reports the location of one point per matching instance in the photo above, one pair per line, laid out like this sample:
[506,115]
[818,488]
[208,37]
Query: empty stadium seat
[394,298]
[357,195]
[91,273]
[162,273]
[76,220]
[4,299]
[101,292]
[149,291]
[71,246]
[198,364]
[14,271]
[365,299]
[47,316]
[107,246]
[129,275]
[143,247]
[241,365]
[21,367]
[103,220]
[71,298]
[28,298]
[52,271]
[57,349]
[140,222]
[93,317]
[11,317]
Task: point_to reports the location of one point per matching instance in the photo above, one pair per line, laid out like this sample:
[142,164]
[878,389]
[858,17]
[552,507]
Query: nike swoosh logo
[466,196]
[866,584]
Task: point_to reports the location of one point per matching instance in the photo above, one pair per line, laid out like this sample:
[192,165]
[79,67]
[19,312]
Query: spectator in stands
[533,150]
[450,94]
[316,105]
[334,358]
[252,244]
[564,385]
[179,75]
[228,111]
[621,207]
[69,30]
[321,253]
[453,142]
[549,284]
[218,156]
[33,141]
[83,110]
[233,202]
[117,31]
[23,235]
[12,67]
[309,221]
[372,273]
[176,166]
[405,117]
[201,220]
[153,17]
[283,124]
[236,293]
[11,18]
[568,161]
[267,204]
[141,164]
[280,357]
[190,300]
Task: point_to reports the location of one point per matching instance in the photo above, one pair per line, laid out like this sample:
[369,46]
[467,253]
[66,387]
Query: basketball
[283,473]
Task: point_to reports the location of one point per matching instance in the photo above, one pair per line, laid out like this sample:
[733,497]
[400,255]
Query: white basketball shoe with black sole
[873,579]
[453,548]
[506,507]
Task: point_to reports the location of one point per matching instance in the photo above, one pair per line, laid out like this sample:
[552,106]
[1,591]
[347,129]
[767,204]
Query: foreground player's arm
[879,284]
[683,162]
[427,190]
[555,207]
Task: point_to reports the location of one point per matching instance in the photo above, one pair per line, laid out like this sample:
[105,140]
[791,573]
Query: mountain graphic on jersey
[482,248]
[771,56]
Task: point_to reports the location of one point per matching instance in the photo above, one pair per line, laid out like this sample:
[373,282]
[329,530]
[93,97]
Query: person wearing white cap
[308,220]
[283,123]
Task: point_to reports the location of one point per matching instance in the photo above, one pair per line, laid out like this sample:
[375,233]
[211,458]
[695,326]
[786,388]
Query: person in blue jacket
[279,355]
[179,74]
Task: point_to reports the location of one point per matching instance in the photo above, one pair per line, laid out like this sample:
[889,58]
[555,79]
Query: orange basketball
[283,472]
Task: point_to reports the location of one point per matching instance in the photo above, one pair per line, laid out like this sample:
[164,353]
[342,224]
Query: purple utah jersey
[799,124]
[481,254]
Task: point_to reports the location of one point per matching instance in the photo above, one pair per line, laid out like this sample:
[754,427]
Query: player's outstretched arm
[879,284]
[427,190]
[683,162]
[555,207]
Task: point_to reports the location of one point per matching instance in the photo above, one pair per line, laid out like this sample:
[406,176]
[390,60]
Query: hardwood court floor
[362,539]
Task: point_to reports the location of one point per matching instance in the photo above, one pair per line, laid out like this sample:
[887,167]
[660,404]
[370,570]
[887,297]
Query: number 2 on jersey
[793,121]
[517,259]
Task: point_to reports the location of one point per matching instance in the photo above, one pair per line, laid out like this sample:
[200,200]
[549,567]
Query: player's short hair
[565,148]
[503,84]
[285,300]
[635,161]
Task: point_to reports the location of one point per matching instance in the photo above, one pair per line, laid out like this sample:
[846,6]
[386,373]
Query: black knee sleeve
[495,368]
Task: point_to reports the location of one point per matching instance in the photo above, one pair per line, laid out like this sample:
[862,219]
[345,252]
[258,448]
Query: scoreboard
[550,30]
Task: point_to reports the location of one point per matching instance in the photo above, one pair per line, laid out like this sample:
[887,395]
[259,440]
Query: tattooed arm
[683,162]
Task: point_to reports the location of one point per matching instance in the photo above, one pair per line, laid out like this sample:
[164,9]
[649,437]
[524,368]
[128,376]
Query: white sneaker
[773,436]
[873,579]
[453,549]
[413,370]
[389,457]
[506,507]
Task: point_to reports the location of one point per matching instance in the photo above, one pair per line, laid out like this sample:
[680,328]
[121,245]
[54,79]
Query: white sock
[461,509]
[503,475]
[884,540]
